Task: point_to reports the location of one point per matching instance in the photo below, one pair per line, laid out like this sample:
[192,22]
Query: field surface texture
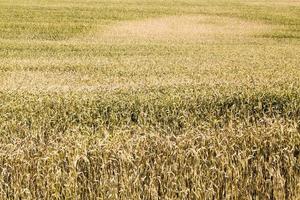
[150,99]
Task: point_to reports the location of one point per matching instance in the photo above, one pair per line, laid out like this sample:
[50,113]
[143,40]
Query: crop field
[150,99]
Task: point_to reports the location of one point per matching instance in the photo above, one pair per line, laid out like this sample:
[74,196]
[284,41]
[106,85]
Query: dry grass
[149,99]
[179,29]
[247,163]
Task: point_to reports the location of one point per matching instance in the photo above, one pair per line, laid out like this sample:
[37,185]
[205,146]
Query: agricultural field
[149,99]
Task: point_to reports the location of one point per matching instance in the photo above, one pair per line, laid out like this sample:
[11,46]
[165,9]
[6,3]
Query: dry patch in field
[39,81]
[76,82]
[24,81]
[179,28]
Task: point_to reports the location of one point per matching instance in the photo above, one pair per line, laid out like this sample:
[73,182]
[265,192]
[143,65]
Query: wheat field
[150,99]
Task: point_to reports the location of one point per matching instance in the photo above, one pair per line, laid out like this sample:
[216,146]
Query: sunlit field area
[149,99]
